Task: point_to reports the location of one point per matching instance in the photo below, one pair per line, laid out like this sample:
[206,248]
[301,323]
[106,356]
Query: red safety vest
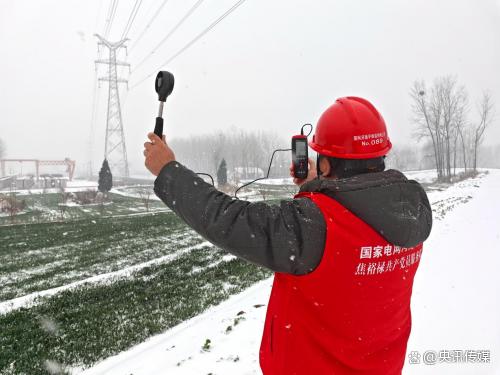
[351,315]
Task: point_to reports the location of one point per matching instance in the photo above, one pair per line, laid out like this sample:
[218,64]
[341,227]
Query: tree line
[246,154]
[451,126]
[442,114]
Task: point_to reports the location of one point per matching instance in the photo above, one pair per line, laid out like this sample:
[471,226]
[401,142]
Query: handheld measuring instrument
[300,156]
[164,84]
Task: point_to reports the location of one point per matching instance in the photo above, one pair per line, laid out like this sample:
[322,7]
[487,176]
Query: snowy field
[76,291]
[456,303]
[80,290]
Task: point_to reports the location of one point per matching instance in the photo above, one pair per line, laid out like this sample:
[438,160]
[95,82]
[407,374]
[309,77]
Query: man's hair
[345,168]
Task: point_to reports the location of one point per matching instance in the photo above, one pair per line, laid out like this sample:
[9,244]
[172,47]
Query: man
[344,251]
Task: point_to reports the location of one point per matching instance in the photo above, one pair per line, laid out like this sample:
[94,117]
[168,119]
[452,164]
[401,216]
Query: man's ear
[324,166]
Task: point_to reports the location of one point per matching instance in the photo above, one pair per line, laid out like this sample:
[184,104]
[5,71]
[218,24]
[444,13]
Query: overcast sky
[269,65]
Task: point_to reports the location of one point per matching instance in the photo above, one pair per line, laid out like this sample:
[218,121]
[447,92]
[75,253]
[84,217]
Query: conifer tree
[222,173]
[105,182]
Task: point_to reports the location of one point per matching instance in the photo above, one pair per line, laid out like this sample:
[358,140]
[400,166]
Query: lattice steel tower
[114,150]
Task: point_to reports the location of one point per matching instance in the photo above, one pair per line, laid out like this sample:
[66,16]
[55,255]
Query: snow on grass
[29,272]
[90,247]
[180,349]
[81,183]
[455,304]
[273,181]
[32,298]
[135,192]
[100,320]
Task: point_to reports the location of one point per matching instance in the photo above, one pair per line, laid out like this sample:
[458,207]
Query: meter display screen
[300,148]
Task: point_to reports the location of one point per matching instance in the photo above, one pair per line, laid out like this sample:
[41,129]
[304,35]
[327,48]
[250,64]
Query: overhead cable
[111,18]
[148,25]
[193,41]
[131,18]
[170,33]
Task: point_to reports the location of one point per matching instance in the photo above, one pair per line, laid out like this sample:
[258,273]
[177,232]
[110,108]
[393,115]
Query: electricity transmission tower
[114,150]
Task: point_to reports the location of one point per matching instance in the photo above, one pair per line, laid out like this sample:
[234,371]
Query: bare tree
[12,205]
[426,126]
[454,101]
[485,119]
[438,115]
[145,195]
[461,125]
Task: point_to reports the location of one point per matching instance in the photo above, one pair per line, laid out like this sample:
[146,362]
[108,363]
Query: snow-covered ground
[136,191]
[71,186]
[424,176]
[80,185]
[456,298]
[272,181]
[456,303]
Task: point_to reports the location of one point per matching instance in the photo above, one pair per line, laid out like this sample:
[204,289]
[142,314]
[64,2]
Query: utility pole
[114,150]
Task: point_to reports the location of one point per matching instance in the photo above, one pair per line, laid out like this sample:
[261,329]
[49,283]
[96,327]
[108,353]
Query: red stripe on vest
[351,315]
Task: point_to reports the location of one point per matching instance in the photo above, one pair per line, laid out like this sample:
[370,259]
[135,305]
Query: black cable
[261,178]
[206,174]
[193,41]
[302,129]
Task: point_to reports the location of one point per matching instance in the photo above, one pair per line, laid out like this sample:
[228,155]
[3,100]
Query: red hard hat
[351,128]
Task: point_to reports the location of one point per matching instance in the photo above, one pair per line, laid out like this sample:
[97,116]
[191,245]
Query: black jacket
[290,237]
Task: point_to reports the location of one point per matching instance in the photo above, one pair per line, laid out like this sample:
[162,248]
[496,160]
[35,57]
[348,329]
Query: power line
[148,24]
[108,15]
[174,29]
[193,41]
[131,18]
[111,18]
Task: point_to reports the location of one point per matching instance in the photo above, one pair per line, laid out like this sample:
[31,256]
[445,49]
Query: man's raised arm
[286,238]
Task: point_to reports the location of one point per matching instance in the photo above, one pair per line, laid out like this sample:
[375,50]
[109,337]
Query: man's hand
[311,174]
[157,154]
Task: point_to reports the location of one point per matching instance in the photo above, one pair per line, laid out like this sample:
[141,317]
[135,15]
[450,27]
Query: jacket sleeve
[288,238]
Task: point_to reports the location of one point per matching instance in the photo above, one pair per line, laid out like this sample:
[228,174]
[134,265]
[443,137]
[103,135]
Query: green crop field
[36,257]
[124,274]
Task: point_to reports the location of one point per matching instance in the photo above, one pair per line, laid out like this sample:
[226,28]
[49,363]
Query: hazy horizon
[268,65]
